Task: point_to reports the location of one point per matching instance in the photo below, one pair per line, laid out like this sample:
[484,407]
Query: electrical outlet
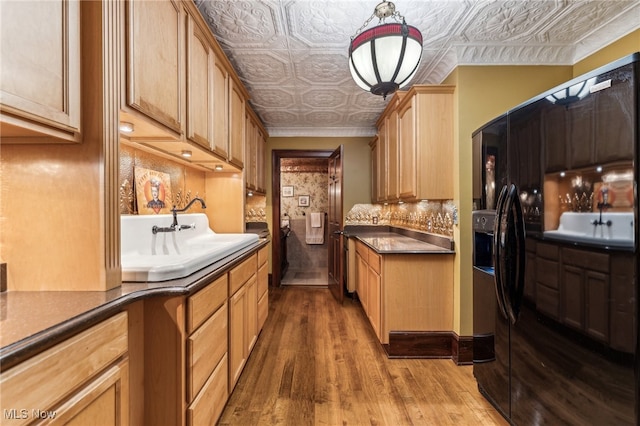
[375,220]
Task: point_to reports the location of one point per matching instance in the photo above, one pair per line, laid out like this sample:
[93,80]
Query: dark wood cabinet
[525,132]
[547,277]
[553,136]
[595,129]
[585,292]
[580,133]
[614,117]
[588,291]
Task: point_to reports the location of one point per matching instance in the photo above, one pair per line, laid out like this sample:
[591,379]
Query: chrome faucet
[601,206]
[174,226]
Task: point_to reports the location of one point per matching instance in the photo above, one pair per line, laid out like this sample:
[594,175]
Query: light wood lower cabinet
[405,292]
[83,380]
[40,68]
[243,308]
[263,286]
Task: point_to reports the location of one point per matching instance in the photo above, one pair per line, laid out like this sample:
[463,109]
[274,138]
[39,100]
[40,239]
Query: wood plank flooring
[319,363]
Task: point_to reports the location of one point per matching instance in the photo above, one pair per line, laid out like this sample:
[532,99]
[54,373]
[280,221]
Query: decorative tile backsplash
[255,208]
[434,217]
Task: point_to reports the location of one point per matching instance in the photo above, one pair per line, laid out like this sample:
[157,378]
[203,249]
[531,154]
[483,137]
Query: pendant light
[385,58]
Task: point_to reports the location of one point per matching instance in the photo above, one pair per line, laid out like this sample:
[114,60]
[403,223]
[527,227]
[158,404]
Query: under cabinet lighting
[218,167]
[186,153]
[126,127]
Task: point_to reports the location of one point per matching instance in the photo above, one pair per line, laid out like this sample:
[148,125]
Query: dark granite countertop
[392,243]
[391,240]
[32,321]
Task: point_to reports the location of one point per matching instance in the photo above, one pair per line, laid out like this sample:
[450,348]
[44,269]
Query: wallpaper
[311,184]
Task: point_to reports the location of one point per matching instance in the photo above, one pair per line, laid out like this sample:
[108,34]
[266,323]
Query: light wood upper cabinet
[375,169]
[40,68]
[255,143]
[200,64]
[236,124]
[155,55]
[386,174]
[425,117]
[220,142]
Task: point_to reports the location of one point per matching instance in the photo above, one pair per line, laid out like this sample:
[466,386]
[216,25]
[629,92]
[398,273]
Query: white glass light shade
[385,58]
[572,93]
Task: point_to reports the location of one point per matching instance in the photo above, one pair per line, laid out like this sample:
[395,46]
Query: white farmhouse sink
[146,256]
[579,227]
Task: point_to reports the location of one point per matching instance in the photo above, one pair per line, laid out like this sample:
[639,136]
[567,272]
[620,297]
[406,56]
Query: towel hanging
[314,228]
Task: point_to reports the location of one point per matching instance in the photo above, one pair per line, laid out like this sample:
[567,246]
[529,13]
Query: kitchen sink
[616,229]
[148,256]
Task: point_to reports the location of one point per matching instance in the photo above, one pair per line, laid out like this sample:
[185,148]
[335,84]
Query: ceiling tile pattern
[292,55]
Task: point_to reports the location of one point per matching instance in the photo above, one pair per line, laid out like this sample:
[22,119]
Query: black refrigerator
[556,257]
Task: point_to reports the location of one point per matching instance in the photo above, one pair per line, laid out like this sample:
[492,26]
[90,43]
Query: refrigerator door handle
[498,256]
[517,255]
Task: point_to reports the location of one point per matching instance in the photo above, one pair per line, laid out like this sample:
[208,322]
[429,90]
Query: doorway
[295,211]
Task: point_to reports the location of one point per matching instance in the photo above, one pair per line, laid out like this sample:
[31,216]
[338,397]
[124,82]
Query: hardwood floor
[319,363]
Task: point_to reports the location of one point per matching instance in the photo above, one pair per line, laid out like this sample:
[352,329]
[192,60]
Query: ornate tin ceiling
[292,54]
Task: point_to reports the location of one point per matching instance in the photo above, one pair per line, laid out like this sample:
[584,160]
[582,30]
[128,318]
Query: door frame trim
[276,156]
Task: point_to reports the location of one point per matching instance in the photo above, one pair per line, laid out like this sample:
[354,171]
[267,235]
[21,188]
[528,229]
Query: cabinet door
[597,305]
[155,54]
[252,315]
[237,333]
[375,178]
[361,280]
[40,68]
[104,401]
[250,150]
[199,91]
[374,299]
[391,172]
[236,124]
[554,135]
[381,164]
[260,166]
[407,143]
[614,115]
[580,129]
[573,297]
[220,142]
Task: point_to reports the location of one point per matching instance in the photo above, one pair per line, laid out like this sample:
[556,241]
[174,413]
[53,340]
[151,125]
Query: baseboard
[434,344]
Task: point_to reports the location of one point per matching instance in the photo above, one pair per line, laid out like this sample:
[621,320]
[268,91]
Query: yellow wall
[483,93]
[619,49]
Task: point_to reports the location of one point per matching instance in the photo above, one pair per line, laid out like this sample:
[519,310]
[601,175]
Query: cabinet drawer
[263,255]
[263,280]
[208,405]
[375,261]
[362,249]
[45,379]
[547,251]
[547,272]
[205,348]
[586,259]
[205,302]
[241,273]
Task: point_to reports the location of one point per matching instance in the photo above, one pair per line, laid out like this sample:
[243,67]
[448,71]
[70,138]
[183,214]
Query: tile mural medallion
[153,190]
